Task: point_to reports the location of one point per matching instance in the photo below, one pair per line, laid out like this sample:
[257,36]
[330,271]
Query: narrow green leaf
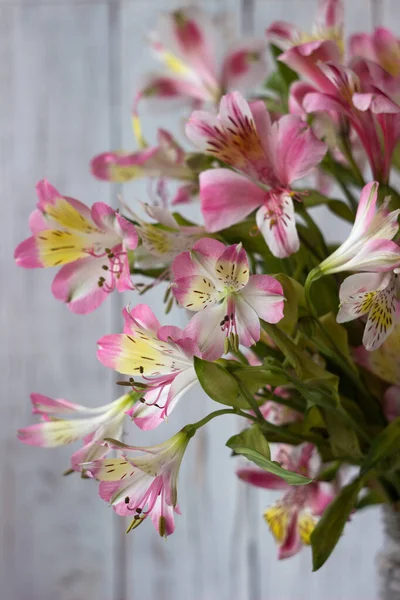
[341,209]
[384,446]
[253,439]
[329,528]
[342,438]
[219,384]
[372,498]
[268,465]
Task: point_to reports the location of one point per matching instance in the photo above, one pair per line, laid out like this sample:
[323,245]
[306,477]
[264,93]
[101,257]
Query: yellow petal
[69,218]
[306,525]
[57,247]
[278,517]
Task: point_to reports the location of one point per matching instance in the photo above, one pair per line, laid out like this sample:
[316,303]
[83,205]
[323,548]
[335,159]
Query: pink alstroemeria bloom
[214,281]
[161,355]
[185,42]
[373,295]
[162,162]
[268,158]
[303,51]
[293,518]
[65,423]
[169,240]
[91,243]
[139,486]
[368,247]
[381,47]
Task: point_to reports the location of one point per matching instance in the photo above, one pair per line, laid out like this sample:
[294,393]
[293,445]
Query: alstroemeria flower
[162,162]
[139,486]
[268,159]
[161,355]
[165,239]
[381,47]
[65,423]
[368,246]
[185,42]
[214,281]
[304,51]
[91,243]
[373,295]
[293,518]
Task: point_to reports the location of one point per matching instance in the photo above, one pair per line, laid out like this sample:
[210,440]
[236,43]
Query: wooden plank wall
[68,70]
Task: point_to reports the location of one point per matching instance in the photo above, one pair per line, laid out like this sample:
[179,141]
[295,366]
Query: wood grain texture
[69,71]
[57,540]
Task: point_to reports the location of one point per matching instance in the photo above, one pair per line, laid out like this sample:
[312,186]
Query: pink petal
[163,511]
[276,221]
[261,478]
[265,295]
[129,233]
[305,60]
[354,292]
[282,34]
[200,129]
[77,284]
[378,103]
[37,222]
[110,349]
[227,198]
[292,542]
[46,193]
[376,255]
[321,495]
[195,292]
[26,254]
[297,149]
[330,14]
[298,91]
[103,215]
[207,251]
[205,328]
[143,315]
[244,66]
[366,207]
[247,323]
[43,404]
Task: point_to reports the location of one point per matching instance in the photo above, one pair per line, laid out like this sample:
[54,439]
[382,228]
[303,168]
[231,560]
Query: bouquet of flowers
[294,335]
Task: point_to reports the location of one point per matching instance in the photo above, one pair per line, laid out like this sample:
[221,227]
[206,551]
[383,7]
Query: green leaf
[372,498]
[268,465]
[219,384]
[329,473]
[386,445]
[329,528]
[342,210]
[294,294]
[254,379]
[286,73]
[253,439]
[337,334]
[342,438]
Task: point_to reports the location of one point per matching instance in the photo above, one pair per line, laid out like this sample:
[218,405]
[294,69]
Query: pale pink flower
[373,295]
[185,41]
[303,51]
[143,485]
[381,46]
[90,243]
[293,518]
[267,157]
[368,247]
[214,281]
[161,355]
[165,161]
[64,423]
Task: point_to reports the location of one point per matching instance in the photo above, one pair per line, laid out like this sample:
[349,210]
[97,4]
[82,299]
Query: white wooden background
[68,70]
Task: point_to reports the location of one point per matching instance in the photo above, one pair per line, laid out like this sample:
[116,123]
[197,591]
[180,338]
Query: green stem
[346,149]
[193,427]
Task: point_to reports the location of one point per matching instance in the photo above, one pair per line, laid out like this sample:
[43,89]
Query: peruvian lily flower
[161,355]
[381,47]
[164,161]
[368,246]
[65,422]
[143,485]
[303,51]
[165,239]
[214,281]
[185,42]
[91,244]
[293,518]
[267,158]
[375,296]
